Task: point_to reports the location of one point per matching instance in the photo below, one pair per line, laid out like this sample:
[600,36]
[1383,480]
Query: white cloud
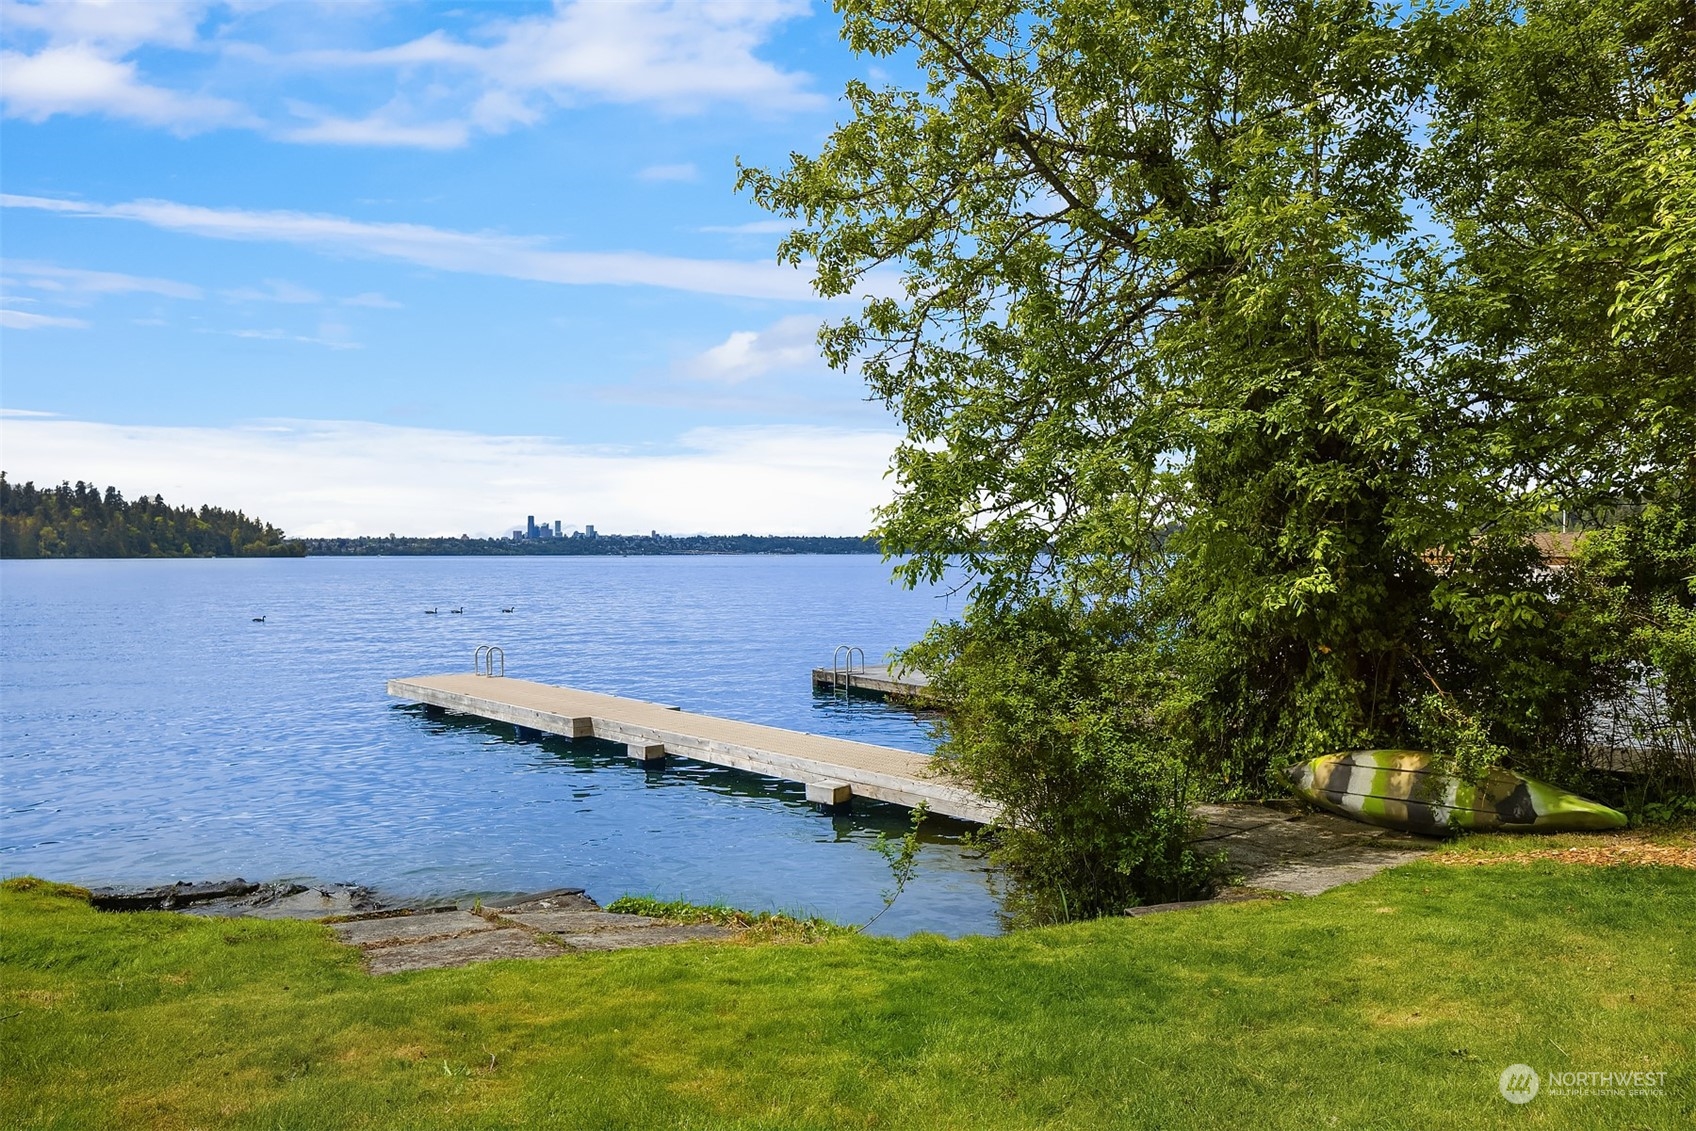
[52,277]
[120,25]
[676,54]
[338,478]
[684,172]
[679,56]
[754,228]
[23,320]
[335,339]
[478,253]
[387,127]
[77,79]
[276,290]
[789,344]
[373,299]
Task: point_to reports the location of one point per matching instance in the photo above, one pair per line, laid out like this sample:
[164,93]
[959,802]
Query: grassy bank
[1392,1003]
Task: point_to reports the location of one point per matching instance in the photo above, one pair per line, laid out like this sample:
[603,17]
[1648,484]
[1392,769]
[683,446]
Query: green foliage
[1177,363]
[1563,302]
[45,888]
[1056,716]
[902,857]
[83,522]
[760,925]
[1468,752]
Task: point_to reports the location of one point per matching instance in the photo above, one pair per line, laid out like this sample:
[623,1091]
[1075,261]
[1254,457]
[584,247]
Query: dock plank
[879,772]
[879,681]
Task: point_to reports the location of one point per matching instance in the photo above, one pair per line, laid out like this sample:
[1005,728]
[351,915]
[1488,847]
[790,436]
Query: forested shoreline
[82,521]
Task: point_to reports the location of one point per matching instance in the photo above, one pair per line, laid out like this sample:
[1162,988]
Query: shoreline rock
[239,898]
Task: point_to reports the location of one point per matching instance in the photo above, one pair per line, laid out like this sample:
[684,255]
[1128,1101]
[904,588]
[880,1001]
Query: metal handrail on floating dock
[842,660]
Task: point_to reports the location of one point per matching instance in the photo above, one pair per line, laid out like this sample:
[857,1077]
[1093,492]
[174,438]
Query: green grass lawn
[1392,1003]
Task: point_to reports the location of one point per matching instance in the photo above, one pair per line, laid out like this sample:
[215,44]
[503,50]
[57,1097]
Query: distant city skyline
[422,265]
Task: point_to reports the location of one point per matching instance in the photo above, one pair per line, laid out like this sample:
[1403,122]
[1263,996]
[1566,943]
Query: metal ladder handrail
[842,660]
[483,661]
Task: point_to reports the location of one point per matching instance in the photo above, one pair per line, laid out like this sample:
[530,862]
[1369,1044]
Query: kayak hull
[1399,789]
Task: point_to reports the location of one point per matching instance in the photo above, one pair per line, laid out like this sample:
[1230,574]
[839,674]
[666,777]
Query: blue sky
[361,268]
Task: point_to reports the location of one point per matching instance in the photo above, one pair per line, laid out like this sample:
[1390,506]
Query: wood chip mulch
[1601,856]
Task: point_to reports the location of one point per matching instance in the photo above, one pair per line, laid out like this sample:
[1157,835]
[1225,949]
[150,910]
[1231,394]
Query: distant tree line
[601,545]
[82,521]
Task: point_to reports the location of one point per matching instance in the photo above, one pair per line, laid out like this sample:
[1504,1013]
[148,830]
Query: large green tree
[1219,376]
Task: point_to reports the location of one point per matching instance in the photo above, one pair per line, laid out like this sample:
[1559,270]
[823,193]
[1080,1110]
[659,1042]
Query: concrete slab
[410,928]
[1316,875]
[1301,853]
[576,922]
[462,950]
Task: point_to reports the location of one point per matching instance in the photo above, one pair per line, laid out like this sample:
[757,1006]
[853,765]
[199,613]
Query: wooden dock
[832,769]
[878,681]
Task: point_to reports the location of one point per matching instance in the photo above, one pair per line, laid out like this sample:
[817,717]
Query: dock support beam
[829,792]
[645,752]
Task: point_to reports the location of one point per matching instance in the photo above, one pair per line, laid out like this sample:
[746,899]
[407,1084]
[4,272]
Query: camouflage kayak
[1398,789]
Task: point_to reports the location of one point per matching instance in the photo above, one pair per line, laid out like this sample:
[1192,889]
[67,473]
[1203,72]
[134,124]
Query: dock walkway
[1279,850]
[878,681]
[833,769]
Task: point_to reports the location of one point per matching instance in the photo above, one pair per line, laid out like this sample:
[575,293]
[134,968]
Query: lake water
[150,731]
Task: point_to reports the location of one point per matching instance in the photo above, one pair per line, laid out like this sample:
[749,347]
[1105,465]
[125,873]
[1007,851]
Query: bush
[1052,716]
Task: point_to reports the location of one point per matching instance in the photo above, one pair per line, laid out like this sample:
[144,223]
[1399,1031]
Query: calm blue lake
[150,731]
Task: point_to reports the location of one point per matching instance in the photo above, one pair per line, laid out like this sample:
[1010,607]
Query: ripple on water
[153,732]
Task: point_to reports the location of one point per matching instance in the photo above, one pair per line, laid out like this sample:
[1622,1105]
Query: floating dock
[833,769]
[878,681]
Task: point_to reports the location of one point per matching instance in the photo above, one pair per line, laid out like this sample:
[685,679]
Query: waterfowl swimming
[510,609]
[430,612]
[461,609]
[259,620]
